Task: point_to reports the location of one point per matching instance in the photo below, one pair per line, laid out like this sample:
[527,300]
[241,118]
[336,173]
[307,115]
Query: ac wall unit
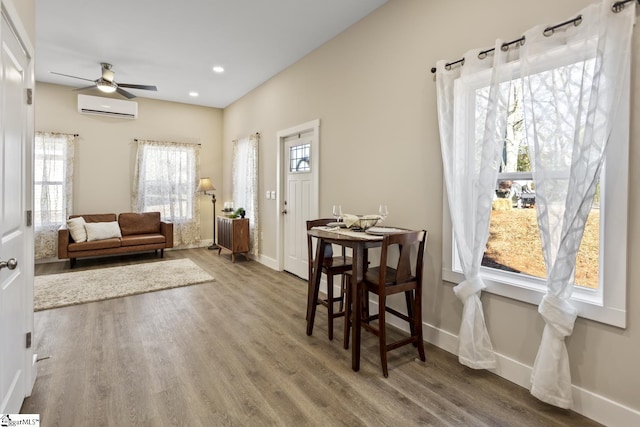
[107,107]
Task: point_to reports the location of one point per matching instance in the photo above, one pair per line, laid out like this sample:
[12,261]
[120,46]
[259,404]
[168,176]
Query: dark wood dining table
[360,243]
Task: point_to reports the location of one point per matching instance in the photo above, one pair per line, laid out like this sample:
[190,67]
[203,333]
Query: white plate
[379,231]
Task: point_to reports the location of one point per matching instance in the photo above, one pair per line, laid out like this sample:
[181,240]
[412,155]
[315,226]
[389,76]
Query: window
[299,158]
[513,265]
[52,188]
[245,165]
[165,181]
[514,241]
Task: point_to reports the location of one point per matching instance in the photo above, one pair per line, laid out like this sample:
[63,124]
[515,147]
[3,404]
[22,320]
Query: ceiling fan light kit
[107,84]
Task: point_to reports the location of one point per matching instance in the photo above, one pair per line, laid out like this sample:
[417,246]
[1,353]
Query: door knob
[11,264]
[284,211]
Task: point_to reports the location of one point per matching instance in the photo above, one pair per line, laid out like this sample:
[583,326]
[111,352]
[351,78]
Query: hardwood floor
[235,352]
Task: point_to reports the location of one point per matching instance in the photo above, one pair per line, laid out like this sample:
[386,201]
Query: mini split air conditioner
[107,107]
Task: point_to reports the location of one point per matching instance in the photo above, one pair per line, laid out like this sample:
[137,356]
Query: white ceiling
[175,44]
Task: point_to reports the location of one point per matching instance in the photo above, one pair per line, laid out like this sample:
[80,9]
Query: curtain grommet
[618,6]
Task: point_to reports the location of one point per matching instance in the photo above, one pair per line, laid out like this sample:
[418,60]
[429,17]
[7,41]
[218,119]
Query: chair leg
[382,333]
[347,312]
[410,301]
[417,320]
[330,304]
[343,282]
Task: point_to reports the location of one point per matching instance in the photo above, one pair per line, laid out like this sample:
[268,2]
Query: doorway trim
[312,126]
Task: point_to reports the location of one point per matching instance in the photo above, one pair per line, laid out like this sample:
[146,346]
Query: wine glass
[337,212]
[383,211]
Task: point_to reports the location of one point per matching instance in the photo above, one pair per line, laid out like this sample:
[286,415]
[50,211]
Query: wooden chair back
[402,274]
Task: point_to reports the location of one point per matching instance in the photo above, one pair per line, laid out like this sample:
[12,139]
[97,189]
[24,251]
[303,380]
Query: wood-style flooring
[234,352]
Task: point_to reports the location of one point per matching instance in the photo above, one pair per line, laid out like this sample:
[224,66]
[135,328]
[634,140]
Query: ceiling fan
[106,84]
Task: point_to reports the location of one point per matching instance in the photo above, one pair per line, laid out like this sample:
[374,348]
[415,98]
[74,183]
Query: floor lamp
[203,186]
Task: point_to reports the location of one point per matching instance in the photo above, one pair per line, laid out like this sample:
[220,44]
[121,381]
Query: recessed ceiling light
[218,69]
[194,94]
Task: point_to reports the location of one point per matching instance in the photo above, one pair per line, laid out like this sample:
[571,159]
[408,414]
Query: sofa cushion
[97,217]
[76,229]
[139,223]
[97,244]
[142,239]
[102,230]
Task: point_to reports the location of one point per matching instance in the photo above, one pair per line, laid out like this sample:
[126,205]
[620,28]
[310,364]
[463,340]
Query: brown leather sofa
[140,232]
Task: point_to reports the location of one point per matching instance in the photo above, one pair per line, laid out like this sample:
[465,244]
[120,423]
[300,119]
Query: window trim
[608,304]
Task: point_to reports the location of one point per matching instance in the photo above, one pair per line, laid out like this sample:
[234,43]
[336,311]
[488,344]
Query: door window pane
[299,160]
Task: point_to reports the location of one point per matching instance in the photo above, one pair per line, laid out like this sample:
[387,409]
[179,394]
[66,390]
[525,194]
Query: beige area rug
[78,287]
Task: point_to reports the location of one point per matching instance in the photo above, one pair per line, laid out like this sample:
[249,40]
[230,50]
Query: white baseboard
[267,261]
[585,402]
[603,410]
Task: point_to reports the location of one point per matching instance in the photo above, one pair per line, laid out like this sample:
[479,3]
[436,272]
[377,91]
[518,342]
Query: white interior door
[15,306]
[297,202]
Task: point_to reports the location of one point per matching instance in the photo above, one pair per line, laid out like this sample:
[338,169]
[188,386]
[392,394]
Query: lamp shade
[205,185]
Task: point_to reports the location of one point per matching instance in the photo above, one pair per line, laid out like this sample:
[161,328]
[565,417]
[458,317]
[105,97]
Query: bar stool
[331,266]
[385,281]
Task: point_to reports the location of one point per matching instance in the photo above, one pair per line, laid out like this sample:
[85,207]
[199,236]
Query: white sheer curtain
[571,82]
[471,158]
[165,181]
[569,114]
[245,184]
[53,189]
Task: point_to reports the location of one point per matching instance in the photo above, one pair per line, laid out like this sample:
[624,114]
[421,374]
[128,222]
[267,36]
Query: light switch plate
[273,195]
[268,196]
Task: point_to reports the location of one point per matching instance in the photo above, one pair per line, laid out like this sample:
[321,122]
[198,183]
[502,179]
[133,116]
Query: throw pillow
[77,230]
[102,230]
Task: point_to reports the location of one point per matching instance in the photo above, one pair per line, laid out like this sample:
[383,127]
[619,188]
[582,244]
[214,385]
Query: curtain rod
[256,134]
[548,32]
[75,135]
[136,140]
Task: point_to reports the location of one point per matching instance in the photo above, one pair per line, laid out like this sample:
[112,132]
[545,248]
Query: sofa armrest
[166,229]
[63,242]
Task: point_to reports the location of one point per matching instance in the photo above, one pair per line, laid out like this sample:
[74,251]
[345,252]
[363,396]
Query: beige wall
[105,149]
[372,91]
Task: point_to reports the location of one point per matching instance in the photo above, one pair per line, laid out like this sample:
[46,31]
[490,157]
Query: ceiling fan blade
[124,93]
[73,77]
[144,87]
[86,87]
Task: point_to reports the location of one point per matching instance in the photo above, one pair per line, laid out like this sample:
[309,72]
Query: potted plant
[239,213]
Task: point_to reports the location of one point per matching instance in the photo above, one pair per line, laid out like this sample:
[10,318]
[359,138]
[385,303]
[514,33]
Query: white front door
[296,203]
[298,175]
[15,280]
